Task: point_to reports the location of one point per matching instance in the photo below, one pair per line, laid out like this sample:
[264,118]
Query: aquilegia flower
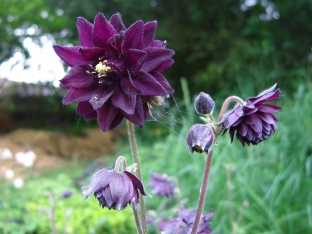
[115,70]
[200,138]
[254,122]
[184,222]
[161,185]
[115,190]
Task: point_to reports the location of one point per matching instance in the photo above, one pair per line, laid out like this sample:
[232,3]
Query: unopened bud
[204,104]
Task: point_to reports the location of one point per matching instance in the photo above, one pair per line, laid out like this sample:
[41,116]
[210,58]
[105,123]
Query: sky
[42,66]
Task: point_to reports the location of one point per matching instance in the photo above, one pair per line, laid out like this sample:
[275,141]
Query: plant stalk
[201,200]
[136,218]
[135,155]
[226,104]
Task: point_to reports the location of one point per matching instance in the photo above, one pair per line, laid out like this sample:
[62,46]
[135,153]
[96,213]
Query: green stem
[136,217]
[135,155]
[228,175]
[201,200]
[120,159]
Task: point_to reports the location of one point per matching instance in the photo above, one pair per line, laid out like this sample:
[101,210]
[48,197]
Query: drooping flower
[200,138]
[184,222]
[161,185]
[115,70]
[115,190]
[66,193]
[253,122]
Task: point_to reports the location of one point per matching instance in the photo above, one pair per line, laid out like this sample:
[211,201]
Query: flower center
[102,69]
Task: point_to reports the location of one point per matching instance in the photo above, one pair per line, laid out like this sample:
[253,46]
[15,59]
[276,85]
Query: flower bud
[204,104]
[200,138]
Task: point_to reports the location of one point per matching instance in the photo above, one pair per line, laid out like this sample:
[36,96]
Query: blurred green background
[222,48]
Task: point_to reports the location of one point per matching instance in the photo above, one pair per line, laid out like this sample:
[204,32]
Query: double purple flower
[114,190]
[115,70]
[161,185]
[184,222]
[253,122]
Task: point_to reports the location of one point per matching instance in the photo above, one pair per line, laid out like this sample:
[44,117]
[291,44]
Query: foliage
[273,177]
[86,217]
[48,111]
[220,45]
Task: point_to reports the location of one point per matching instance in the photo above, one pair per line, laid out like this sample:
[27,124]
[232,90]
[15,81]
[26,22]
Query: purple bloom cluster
[114,190]
[254,122]
[184,222]
[161,185]
[115,70]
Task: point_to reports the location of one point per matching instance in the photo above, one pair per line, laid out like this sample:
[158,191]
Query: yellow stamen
[102,68]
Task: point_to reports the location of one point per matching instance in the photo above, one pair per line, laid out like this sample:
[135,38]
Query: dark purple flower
[204,104]
[67,193]
[254,122]
[161,185]
[200,138]
[184,222]
[115,70]
[114,190]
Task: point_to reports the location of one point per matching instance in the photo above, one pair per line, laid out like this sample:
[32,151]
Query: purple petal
[271,89]
[148,85]
[99,180]
[135,59]
[124,101]
[242,129]
[232,117]
[268,118]
[86,110]
[100,97]
[117,191]
[254,122]
[128,86]
[114,44]
[133,36]
[116,21]
[70,55]
[266,97]
[102,30]
[106,115]
[137,183]
[231,133]
[149,30]
[85,28]
[158,43]
[163,81]
[269,108]
[165,65]
[77,77]
[106,193]
[79,95]
[91,54]
[156,57]
[138,117]
[128,191]
[117,120]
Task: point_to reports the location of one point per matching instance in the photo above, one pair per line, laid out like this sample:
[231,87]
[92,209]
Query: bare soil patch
[57,149]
